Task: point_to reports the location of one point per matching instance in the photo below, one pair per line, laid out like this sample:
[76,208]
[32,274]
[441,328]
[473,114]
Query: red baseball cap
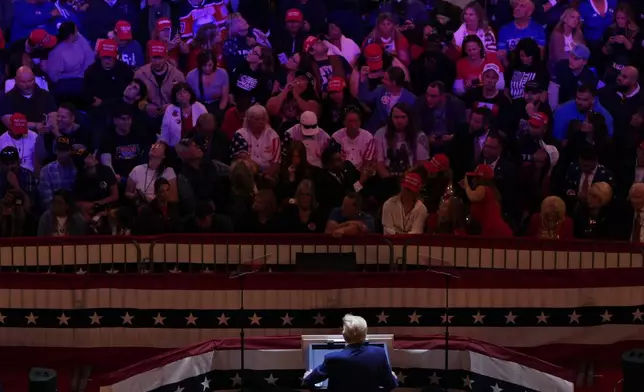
[538,119]
[309,42]
[18,124]
[123,30]
[412,181]
[373,54]
[108,48]
[439,163]
[336,84]
[40,37]
[294,15]
[164,23]
[157,49]
[482,171]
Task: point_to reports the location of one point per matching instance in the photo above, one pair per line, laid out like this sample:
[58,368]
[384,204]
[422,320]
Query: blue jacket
[378,99]
[31,16]
[568,112]
[100,17]
[358,367]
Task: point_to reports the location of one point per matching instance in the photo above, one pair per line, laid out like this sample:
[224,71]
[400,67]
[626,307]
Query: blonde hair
[480,14]
[562,20]
[603,191]
[256,111]
[354,329]
[555,204]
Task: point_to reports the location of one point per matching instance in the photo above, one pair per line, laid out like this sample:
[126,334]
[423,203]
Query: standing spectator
[620,38]
[101,16]
[523,27]
[349,219]
[210,83]
[475,23]
[526,65]
[61,219]
[505,176]
[182,115]
[35,103]
[570,73]
[467,145]
[596,16]
[24,140]
[405,213]
[151,13]
[485,206]
[565,37]
[129,50]
[106,79]
[68,61]
[356,144]
[159,77]
[59,174]
[408,13]
[289,41]
[441,114]
[470,67]
[29,15]
[387,35]
[385,97]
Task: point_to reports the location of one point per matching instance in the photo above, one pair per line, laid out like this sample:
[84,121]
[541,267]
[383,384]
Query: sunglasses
[311,126]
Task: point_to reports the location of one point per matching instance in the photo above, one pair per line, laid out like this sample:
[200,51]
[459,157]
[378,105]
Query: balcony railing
[208,253]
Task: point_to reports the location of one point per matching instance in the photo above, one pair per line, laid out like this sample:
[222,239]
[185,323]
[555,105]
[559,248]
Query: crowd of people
[504,118]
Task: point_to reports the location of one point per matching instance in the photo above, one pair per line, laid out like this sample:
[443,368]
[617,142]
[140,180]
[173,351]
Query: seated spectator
[213,141]
[339,45]
[356,145]
[338,177]
[295,168]
[207,221]
[569,74]
[258,142]
[288,41]
[431,65]
[321,65]
[17,60]
[59,174]
[61,219]
[526,65]
[634,214]
[387,35]
[161,215]
[407,13]
[22,183]
[262,216]
[299,94]
[123,148]
[620,43]
[163,33]
[79,136]
[159,77]
[106,79]
[29,99]
[505,176]
[405,213]
[255,76]
[238,42]
[24,140]
[308,132]
[593,220]
[534,100]
[485,203]
[565,37]
[208,38]
[129,50]
[349,219]
[596,21]
[142,178]
[551,222]
[439,182]
[471,65]
[210,82]
[441,114]
[591,132]
[581,174]
[399,145]
[577,110]
[302,213]
[335,104]
[385,97]
[67,63]
[623,99]
[523,27]
[475,23]
[449,217]
[488,95]
[465,150]
[181,115]
[28,16]
[377,62]
[95,187]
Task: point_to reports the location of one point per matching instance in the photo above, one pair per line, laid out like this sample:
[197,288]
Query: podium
[316,347]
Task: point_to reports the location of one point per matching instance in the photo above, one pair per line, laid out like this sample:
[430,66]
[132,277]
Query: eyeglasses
[310,126]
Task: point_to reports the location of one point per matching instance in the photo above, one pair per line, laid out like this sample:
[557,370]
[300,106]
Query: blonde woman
[619,42]
[566,35]
[475,23]
[551,222]
[387,35]
[593,220]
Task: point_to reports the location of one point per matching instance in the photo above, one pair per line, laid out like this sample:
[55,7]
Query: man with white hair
[358,367]
[636,196]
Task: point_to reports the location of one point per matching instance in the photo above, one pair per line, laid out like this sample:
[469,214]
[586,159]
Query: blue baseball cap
[581,51]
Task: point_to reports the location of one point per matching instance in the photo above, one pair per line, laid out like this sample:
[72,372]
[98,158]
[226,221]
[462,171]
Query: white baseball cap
[309,124]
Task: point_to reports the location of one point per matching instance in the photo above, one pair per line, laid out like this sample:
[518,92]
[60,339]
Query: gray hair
[256,111]
[307,185]
[354,329]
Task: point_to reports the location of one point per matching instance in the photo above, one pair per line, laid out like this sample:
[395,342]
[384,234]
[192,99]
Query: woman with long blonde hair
[475,23]
[619,42]
[387,35]
[566,35]
[551,222]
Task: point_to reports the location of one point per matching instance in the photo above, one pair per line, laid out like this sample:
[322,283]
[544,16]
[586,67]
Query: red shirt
[465,70]
[191,62]
[232,122]
[487,213]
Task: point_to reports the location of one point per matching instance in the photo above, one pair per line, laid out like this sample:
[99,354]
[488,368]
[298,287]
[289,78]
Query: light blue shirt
[568,112]
[510,35]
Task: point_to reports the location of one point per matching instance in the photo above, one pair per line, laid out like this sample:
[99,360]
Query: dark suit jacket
[329,191]
[505,178]
[358,367]
[461,153]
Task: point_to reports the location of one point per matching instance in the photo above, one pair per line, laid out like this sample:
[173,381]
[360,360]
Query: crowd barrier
[218,252]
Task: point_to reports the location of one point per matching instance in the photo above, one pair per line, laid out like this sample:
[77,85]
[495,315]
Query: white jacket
[171,125]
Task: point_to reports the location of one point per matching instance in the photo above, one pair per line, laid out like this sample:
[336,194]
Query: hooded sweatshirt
[70,60]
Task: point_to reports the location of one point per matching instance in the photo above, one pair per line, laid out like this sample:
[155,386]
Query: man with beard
[27,98]
[67,126]
[623,100]
[467,144]
[106,79]
[96,188]
[577,110]
[59,174]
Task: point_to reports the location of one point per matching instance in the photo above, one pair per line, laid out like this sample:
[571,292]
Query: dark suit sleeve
[388,382]
[318,375]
